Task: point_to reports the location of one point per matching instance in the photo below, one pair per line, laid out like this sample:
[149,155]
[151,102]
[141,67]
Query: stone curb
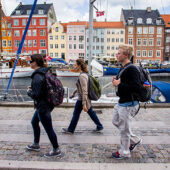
[95,105]
[30,165]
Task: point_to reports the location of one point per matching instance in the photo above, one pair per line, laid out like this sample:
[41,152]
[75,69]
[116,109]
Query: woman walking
[38,92]
[83,102]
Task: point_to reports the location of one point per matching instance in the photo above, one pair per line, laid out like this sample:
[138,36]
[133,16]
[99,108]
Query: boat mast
[91,2]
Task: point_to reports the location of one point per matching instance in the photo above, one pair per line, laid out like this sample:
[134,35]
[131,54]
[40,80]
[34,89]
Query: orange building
[6,36]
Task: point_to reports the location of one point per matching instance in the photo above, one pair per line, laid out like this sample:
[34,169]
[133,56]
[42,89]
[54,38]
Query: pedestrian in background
[38,92]
[83,102]
[127,83]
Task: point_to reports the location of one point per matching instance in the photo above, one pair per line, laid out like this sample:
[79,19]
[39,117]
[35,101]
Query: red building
[36,40]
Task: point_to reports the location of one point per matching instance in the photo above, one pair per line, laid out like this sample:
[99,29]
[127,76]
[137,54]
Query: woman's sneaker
[52,153]
[133,146]
[117,155]
[33,147]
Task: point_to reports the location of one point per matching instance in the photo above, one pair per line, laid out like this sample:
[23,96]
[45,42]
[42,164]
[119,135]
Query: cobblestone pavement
[148,123]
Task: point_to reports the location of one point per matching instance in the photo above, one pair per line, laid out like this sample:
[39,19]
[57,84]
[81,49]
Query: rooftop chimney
[148,9]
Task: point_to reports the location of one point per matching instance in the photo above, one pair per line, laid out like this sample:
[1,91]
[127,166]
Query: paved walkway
[85,149]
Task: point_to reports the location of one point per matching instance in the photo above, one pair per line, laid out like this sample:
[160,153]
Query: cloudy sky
[71,10]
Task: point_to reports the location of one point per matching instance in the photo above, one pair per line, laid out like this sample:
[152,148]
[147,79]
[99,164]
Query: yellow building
[57,47]
[115,35]
[6,36]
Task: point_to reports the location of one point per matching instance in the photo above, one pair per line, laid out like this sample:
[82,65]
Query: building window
[16,33]
[150,53]
[113,47]
[167,48]
[51,54]
[56,54]
[158,53]
[151,30]
[108,47]
[29,43]
[144,42]
[81,38]
[130,30]
[158,42]
[4,33]
[117,40]
[138,53]
[108,39]
[62,46]
[35,52]
[30,52]
[25,43]
[74,46]
[144,53]
[108,31]
[9,25]
[139,42]
[145,30]
[74,37]
[56,45]
[34,43]
[42,32]
[56,29]
[34,32]
[42,43]
[121,32]
[113,32]
[139,30]
[9,43]
[102,39]
[17,42]
[40,11]
[167,39]
[97,47]
[56,37]
[159,30]
[70,46]
[81,30]
[70,38]
[158,21]
[29,32]
[28,12]
[150,41]
[9,34]
[81,46]
[4,43]
[42,21]
[97,40]
[62,37]
[113,40]
[149,21]
[121,40]
[23,21]
[139,21]
[33,21]
[16,22]
[51,46]
[51,37]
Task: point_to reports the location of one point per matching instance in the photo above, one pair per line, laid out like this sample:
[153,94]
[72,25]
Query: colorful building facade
[6,36]
[76,34]
[57,41]
[144,29]
[36,40]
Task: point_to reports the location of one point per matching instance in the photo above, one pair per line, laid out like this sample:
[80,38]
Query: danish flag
[48,58]
[99,13]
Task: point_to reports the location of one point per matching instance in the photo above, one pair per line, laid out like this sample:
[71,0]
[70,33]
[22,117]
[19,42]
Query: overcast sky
[71,10]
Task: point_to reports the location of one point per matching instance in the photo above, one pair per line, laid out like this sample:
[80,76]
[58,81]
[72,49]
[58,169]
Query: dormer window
[40,11]
[158,21]
[139,21]
[18,12]
[149,21]
[28,12]
[130,21]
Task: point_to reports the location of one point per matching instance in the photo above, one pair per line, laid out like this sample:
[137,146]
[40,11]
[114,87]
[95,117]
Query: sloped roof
[166,19]
[144,14]
[24,8]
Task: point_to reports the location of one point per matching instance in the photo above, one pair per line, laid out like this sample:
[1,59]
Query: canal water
[18,86]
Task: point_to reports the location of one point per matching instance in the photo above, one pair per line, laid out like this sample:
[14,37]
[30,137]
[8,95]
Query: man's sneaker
[33,147]
[133,146]
[99,129]
[52,153]
[117,155]
[65,130]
